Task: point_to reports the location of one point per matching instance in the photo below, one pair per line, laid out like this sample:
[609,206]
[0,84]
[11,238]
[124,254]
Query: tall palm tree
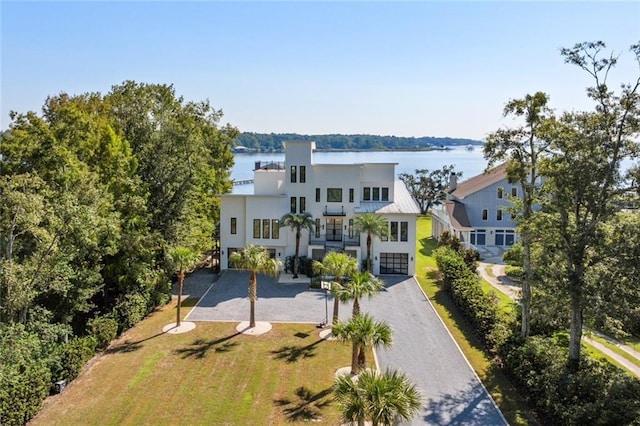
[256,260]
[297,222]
[375,226]
[364,332]
[362,284]
[384,398]
[181,260]
[339,265]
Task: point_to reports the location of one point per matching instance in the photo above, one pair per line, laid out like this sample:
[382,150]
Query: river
[470,163]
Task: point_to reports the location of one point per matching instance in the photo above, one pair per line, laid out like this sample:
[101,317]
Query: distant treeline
[273,141]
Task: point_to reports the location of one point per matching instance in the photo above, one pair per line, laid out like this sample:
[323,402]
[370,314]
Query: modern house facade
[477,210]
[334,194]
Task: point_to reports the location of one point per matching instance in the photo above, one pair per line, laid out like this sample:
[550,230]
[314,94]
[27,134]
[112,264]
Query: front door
[334,229]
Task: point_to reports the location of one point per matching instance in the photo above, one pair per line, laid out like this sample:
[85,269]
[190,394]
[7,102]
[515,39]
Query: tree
[429,188]
[182,259]
[360,285]
[297,222]
[256,260]
[373,225]
[582,176]
[384,398]
[523,147]
[364,333]
[338,265]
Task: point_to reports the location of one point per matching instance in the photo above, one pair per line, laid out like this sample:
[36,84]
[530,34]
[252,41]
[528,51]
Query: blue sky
[405,69]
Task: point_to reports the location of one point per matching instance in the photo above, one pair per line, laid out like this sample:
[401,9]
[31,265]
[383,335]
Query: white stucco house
[476,210]
[333,194]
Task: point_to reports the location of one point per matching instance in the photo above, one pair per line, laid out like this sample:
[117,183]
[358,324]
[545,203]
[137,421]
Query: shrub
[22,390]
[514,256]
[104,329]
[514,272]
[72,356]
[131,310]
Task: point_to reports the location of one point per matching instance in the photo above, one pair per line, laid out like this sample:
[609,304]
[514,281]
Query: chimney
[453,182]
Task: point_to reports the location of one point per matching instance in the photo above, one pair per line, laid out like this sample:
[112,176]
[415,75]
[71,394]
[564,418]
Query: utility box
[59,386]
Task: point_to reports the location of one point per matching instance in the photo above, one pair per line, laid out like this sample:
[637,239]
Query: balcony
[340,241]
[269,165]
[333,211]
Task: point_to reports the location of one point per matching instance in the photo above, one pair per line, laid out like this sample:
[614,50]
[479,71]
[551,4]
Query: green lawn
[616,349]
[505,303]
[511,403]
[211,375]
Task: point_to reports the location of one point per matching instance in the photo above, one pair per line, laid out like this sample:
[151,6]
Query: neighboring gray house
[477,210]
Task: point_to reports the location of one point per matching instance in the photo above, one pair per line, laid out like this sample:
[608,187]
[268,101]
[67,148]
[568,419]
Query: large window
[404,231]
[366,193]
[317,228]
[351,196]
[393,234]
[303,174]
[275,229]
[317,195]
[385,194]
[479,237]
[385,236]
[294,205]
[303,204]
[266,228]
[334,195]
[234,225]
[256,228]
[294,174]
[376,194]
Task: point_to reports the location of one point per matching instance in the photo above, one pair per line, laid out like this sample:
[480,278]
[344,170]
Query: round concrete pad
[326,335]
[184,327]
[344,371]
[260,328]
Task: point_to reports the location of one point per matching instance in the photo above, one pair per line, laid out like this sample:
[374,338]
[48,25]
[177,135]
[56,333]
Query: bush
[104,329]
[72,356]
[514,272]
[131,310]
[514,256]
[22,390]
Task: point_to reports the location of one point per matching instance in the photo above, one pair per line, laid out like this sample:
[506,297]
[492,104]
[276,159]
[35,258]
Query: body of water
[470,163]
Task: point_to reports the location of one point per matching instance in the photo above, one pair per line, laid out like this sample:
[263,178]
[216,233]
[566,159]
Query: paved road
[422,348]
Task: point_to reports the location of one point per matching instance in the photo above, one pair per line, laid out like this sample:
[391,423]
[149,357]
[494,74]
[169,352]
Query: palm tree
[383,398]
[256,260]
[364,333]
[182,259]
[338,265]
[297,222]
[361,284]
[375,226]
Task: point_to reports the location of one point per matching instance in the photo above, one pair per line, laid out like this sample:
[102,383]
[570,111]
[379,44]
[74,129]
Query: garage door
[394,263]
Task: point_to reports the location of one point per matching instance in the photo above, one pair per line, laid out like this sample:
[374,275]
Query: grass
[504,302]
[615,349]
[633,342]
[511,403]
[211,375]
[489,270]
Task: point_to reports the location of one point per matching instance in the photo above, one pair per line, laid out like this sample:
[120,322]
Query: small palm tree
[382,398]
[373,225]
[182,259]
[338,265]
[297,222]
[362,284]
[256,260]
[364,333]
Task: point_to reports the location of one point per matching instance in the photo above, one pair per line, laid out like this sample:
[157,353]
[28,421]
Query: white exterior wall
[388,246]
[269,182]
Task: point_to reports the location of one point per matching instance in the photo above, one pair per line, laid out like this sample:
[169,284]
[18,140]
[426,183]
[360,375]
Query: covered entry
[394,263]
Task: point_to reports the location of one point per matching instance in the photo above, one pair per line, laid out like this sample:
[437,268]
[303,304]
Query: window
[266,228]
[303,174]
[275,229]
[404,231]
[234,225]
[376,194]
[317,228]
[394,231]
[366,193]
[256,228]
[303,204]
[351,195]
[317,195]
[479,237]
[385,236]
[499,214]
[394,263]
[293,205]
[350,228]
[514,191]
[334,195]
[513,216]
[293,174]
[500,192]
[385,194]
[485,214]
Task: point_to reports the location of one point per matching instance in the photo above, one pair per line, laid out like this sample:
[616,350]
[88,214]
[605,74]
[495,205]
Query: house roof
[481,181]
[403,204]
[457,215]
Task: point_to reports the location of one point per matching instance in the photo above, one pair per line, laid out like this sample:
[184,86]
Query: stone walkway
[502,283]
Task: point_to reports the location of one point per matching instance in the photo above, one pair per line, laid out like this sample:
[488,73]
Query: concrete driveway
[423,348]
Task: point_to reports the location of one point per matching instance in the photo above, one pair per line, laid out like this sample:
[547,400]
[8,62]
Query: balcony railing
[333,211]
[333,240]
[269,165]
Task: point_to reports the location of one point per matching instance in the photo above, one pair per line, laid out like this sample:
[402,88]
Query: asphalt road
[423,348]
